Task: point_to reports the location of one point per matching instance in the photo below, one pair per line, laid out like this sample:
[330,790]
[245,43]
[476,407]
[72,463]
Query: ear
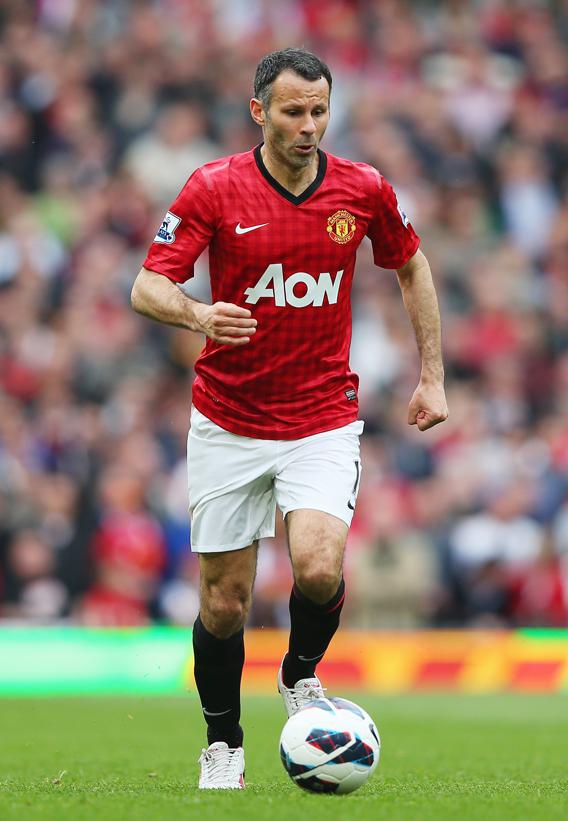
[257,112]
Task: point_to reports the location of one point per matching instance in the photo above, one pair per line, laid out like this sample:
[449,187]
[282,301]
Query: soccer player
[274,418]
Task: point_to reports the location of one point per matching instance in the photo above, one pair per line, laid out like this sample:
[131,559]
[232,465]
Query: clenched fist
[428,406]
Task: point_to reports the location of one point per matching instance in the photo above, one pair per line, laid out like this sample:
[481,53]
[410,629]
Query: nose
[308,126]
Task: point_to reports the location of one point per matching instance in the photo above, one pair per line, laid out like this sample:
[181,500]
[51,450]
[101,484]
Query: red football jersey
[290,260]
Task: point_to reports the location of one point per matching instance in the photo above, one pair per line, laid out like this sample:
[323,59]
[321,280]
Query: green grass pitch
[444,757]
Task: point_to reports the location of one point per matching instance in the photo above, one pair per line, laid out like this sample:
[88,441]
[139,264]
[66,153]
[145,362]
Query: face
[296,119]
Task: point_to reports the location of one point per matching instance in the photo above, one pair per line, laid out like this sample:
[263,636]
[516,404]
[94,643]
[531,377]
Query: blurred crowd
[106,107]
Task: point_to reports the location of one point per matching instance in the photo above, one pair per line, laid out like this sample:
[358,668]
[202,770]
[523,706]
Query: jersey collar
[295,200]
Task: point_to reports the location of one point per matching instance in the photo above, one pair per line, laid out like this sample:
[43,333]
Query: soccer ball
[331,745]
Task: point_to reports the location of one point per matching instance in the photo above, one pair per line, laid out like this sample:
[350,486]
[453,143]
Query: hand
[225,323]
[428,406]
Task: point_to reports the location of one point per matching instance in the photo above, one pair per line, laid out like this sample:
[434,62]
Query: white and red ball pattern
[331,746]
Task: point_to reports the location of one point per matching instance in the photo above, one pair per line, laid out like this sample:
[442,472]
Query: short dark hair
[298,60]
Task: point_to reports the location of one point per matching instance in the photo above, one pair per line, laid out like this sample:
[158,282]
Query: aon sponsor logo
[299,290]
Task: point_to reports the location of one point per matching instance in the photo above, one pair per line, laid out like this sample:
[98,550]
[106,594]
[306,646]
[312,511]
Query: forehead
[290,87]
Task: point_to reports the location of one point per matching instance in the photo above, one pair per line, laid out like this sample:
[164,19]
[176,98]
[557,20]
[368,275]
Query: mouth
[305,149]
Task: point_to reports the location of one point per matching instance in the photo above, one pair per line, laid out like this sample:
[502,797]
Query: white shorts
[235,482]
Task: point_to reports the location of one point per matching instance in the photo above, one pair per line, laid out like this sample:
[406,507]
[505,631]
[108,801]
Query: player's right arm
[187,229]
[157,297]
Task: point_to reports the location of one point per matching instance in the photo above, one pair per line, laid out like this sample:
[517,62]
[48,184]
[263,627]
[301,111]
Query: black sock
[312,627]
[218,670]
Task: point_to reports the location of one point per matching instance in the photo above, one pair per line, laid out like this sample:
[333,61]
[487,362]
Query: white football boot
[301,694]
[222,767]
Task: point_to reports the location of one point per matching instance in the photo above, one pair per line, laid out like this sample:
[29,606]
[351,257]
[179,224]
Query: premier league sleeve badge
[167,230]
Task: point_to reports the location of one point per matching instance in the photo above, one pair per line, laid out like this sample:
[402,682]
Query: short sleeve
[185,232]
[393,238]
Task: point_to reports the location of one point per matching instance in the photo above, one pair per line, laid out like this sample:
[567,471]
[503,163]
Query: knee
[224,608]
[318,582]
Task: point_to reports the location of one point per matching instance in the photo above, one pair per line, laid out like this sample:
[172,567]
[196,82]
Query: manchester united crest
[341,226]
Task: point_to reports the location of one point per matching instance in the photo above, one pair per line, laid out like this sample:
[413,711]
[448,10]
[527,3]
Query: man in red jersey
[274,420]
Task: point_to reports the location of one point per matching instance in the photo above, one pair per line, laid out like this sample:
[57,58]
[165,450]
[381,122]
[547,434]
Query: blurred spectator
[128,554]
[393,572]
[105,109]
[33,591]
[528,199]
[488,548]
[539,591]
[162,160]
[179,596]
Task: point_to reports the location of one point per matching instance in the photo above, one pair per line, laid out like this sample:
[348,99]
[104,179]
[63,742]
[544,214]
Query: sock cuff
[232,736]
[328,607]
[207,641]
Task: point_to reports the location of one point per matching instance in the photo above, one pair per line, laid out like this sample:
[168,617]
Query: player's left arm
[428,405]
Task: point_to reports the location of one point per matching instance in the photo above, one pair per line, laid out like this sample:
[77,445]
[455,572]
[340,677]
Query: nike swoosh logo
[351,504]
[222,713]
[239,230]
[315,658]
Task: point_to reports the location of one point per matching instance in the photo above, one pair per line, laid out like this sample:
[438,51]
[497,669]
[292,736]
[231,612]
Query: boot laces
[221,765]
[302,696]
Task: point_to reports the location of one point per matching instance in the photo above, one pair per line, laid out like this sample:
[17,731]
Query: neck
[295,180]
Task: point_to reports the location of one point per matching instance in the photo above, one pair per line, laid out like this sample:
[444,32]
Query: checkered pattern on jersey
[293,378]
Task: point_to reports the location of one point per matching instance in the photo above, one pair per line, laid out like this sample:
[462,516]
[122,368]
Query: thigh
[231,573]
[231,494]
[321,473]
[317,543]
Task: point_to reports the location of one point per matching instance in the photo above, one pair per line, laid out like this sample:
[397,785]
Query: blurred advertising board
[145,661]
